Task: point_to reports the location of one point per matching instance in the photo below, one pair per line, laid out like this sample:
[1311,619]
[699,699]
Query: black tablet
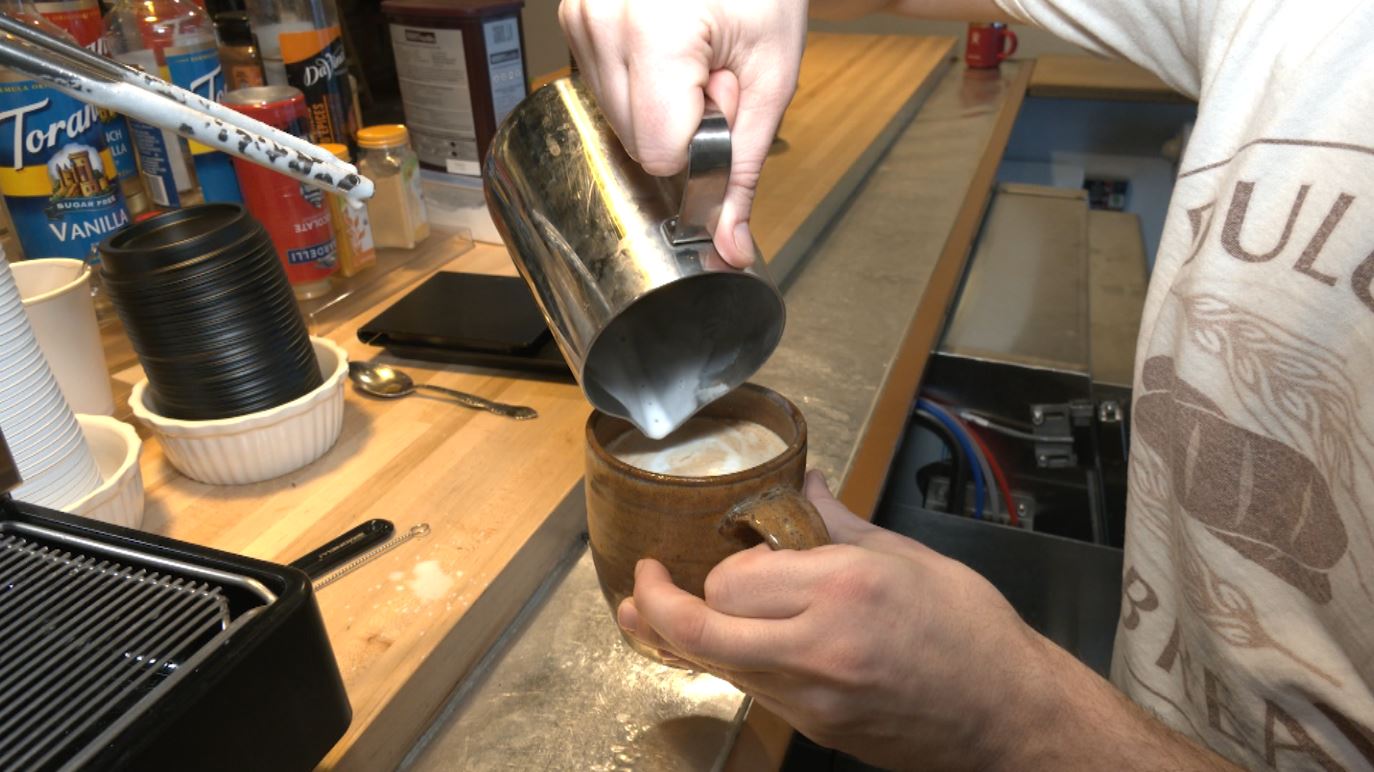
[466,318]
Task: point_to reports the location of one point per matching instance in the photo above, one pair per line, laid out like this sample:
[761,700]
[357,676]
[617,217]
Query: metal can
[80,18]
[295,214]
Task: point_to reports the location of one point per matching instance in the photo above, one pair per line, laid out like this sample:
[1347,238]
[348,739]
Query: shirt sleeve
[1167,37]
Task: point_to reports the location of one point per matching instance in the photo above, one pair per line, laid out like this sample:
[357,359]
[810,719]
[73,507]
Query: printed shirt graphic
[1248,610]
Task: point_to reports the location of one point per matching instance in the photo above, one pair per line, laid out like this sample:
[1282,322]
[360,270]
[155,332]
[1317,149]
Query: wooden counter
[484,484]
[409,626]
[1090,77]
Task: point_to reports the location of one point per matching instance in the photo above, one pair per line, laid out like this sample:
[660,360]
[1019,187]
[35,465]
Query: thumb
[845,527]
[754,114]
[817,489]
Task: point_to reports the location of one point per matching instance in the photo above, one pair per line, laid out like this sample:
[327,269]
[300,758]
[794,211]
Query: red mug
[988,45]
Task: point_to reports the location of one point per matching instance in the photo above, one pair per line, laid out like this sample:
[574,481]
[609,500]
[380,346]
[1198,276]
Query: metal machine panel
[1116,294]
[1041,342]
[1025,299]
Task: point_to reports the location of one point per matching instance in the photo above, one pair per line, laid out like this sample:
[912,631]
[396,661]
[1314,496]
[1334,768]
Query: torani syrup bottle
[175,40]
[81,19]
[56,174]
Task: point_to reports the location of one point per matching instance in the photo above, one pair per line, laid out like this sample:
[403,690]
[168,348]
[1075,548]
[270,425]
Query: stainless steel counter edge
[560,690]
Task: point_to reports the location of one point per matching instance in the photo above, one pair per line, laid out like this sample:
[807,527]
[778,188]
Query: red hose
[1001,478]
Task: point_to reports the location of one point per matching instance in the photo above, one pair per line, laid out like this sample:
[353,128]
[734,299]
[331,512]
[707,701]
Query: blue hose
[939,414]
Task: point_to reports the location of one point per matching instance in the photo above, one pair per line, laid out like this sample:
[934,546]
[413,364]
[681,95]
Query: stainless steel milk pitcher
[653,322]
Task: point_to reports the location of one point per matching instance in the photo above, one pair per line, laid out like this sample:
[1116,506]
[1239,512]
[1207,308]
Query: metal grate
[86,637]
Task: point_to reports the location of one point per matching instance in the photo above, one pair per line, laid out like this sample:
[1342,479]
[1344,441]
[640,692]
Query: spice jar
[352,230]
[237,51]
[397,208]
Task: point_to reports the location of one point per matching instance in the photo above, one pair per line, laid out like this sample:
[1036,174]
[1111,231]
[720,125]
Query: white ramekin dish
[258,446]
[119,499]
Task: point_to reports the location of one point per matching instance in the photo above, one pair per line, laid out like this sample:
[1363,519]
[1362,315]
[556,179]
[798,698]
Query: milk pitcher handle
[783,517]
[708,172]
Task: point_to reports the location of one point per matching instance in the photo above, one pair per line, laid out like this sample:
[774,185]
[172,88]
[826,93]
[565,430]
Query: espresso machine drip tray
[124,650]
[91,637]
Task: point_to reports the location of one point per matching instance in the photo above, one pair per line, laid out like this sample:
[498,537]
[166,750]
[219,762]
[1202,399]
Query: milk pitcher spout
[654,324]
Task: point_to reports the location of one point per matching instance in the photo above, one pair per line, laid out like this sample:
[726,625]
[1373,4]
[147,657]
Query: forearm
[955,10]
[1068,718]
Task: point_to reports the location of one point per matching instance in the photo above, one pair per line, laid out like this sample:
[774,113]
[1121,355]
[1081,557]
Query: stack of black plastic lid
[205,301]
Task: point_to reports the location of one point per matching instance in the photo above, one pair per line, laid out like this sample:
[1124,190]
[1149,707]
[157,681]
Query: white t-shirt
[1248,610]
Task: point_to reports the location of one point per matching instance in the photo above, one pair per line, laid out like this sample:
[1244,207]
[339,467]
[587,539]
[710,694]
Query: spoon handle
[518,412]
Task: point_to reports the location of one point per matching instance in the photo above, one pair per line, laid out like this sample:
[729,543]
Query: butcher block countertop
[410,630]
[402,625]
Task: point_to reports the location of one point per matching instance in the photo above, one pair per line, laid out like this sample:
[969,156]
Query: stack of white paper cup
[39,426]
[57,299]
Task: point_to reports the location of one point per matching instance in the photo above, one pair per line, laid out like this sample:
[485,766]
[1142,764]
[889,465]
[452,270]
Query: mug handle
[1007,52]
[782,516]
[708,173]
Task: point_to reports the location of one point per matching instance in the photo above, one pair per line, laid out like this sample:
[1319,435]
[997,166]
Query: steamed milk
[703,447]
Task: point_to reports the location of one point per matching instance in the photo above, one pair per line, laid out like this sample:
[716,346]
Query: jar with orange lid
[352,228]
[397,208]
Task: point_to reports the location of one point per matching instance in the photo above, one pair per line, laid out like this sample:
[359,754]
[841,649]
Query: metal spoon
[387,381]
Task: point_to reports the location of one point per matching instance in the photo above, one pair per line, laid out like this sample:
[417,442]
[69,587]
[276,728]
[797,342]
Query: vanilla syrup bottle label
[56,174]
[81,19]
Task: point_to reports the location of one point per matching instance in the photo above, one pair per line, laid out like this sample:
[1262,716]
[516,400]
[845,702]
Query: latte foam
[702,447]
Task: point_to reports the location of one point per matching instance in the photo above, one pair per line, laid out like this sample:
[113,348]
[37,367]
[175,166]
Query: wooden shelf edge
[1095,78]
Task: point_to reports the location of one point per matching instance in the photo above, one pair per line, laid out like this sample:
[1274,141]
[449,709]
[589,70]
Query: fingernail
[744,243]
[668,658]
[627,616]
[638,565]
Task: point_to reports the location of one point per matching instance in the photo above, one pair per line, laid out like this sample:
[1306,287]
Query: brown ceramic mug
[689,524]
